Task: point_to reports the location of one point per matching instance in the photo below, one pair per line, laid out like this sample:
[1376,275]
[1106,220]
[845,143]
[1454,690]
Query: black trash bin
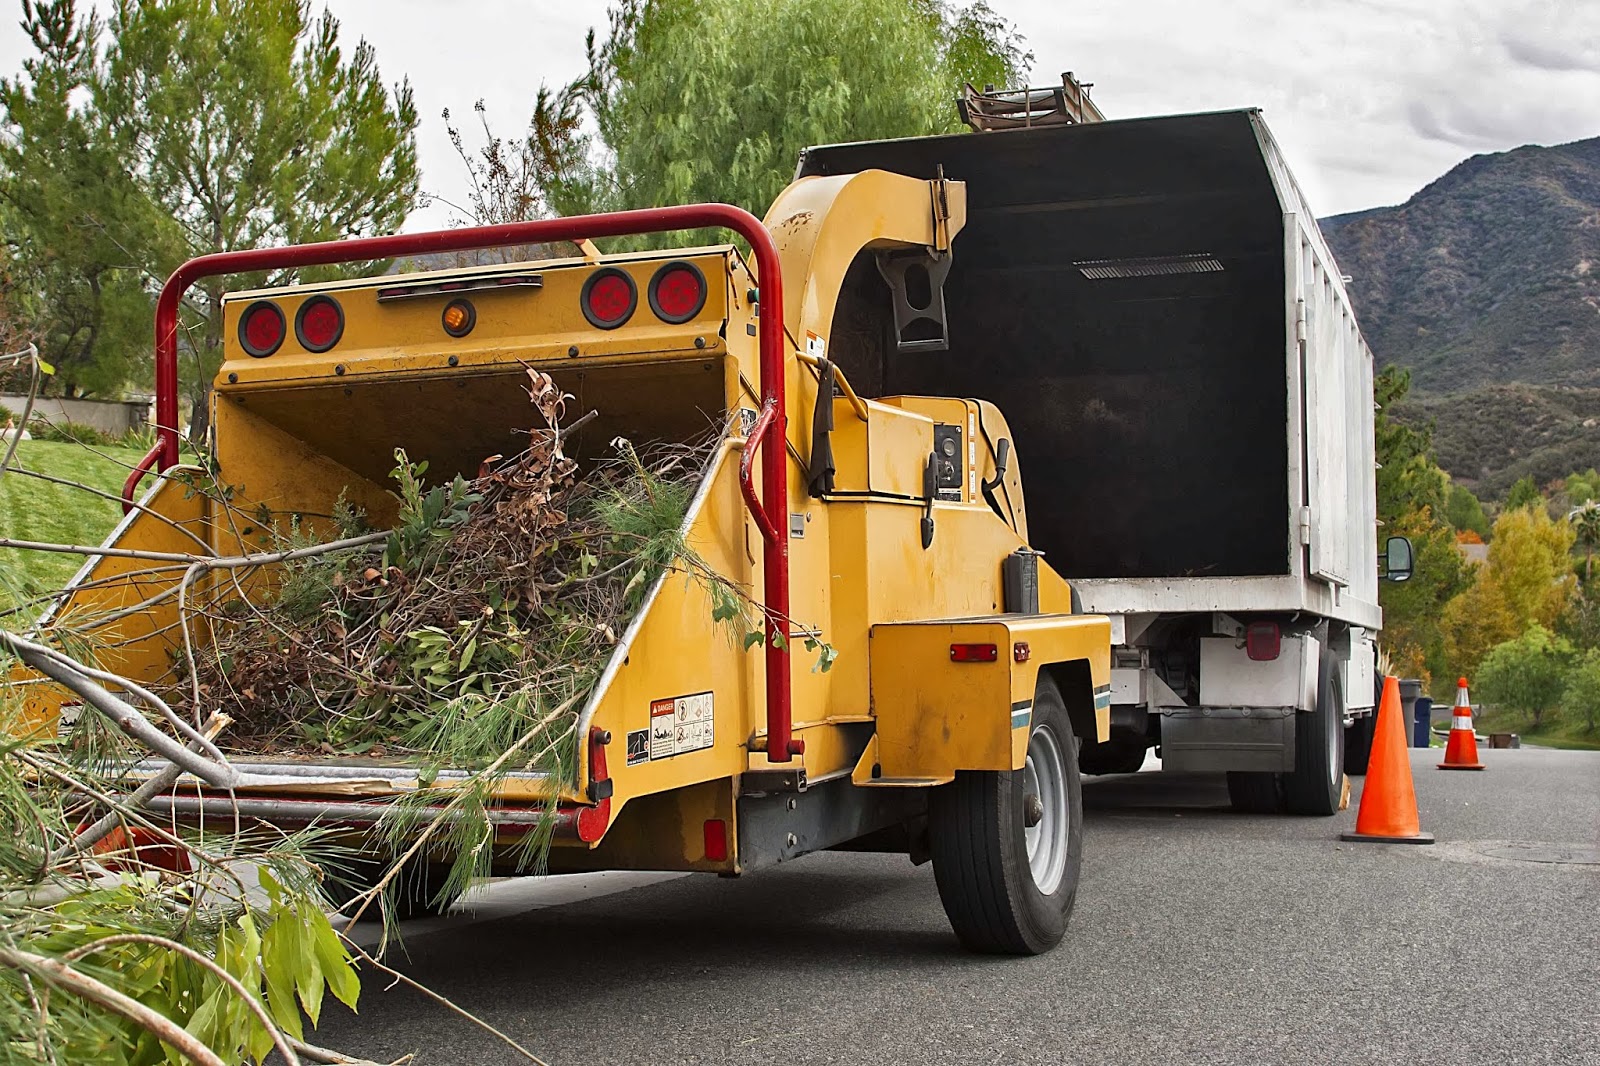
[1422,722]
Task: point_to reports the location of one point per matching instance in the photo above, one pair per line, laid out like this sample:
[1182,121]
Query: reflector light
[319,324]
[677,292]
[1263,641]
[459,317]
[608,298]
[974,653]
[261,329]
[716,840]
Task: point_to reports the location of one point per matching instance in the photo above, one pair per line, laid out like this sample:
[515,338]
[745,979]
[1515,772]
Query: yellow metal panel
[820,223]
[936,715]
[676,650]
[140,645]
[514,324]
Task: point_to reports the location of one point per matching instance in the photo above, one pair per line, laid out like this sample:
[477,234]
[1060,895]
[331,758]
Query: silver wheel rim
[1045,776]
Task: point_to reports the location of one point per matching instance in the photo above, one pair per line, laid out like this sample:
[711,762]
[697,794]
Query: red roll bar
[772,514]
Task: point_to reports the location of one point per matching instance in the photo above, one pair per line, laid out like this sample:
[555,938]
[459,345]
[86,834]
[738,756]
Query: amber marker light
[459,317]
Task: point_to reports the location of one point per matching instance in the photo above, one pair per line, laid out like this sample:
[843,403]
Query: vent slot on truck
[1119,293]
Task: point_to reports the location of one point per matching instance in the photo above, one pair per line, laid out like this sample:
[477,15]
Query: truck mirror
[1397,559]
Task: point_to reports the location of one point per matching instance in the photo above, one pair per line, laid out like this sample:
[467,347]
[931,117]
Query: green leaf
[308,979]
[278,967]
[335,961]
[752,638]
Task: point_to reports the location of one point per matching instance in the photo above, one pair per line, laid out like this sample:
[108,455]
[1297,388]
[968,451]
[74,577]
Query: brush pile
[492,602]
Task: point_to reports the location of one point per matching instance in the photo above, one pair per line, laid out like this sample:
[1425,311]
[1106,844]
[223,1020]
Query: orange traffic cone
[1461,750]
[1388,813]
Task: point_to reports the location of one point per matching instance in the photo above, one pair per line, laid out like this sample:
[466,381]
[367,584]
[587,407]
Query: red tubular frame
[771,514]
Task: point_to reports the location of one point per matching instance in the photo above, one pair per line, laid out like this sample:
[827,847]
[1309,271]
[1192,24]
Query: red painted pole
[781,744]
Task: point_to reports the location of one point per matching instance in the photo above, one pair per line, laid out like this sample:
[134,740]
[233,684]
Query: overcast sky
[1370,99]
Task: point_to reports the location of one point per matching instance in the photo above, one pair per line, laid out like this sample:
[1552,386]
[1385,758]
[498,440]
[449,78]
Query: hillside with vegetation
[1489,275]
[1490,438]
[1485,285]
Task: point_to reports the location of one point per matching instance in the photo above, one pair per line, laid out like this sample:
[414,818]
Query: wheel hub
[1044,809]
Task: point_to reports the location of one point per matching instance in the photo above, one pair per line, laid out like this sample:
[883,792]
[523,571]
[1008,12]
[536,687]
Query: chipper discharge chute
[837,636]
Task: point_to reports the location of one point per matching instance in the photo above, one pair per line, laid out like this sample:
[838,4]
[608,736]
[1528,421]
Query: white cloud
[1370,99]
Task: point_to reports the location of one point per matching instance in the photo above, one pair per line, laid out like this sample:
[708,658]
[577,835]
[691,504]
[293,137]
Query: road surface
[1200,936]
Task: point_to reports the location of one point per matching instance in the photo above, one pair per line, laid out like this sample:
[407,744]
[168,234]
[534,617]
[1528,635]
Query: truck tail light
[716,833]
[974,653]
[319,324]
[261,329]
[1263,641]
[608,298]
[677,292]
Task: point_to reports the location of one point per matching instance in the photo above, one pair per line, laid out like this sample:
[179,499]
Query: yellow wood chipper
[892,527]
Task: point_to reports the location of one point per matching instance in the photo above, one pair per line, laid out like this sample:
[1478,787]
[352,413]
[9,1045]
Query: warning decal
[681,724]
[638,746]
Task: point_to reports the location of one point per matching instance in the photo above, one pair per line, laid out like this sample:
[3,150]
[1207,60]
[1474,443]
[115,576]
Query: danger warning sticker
[681,724]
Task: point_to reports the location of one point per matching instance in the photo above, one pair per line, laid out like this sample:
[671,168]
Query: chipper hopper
[884,538]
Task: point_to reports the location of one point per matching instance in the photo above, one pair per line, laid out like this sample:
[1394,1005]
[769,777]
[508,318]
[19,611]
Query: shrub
[1581,700]
[1528,674]
[69,433]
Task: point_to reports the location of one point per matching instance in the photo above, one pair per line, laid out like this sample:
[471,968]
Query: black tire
[1112,757]
[414,892]
[1317,781]
[1254,792]
[979,842]
[1358,744]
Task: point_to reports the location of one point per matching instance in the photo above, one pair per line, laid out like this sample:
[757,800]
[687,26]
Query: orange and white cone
[1461,750]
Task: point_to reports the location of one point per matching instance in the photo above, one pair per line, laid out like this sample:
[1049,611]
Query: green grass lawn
[1553,732]
[31,509]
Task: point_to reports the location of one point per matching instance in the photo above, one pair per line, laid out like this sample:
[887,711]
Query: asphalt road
[1200,936]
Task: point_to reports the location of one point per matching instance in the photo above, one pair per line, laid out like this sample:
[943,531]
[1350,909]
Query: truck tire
[412,894]
[1315,784]
[1008,887]
[1254,792]
[1358,744]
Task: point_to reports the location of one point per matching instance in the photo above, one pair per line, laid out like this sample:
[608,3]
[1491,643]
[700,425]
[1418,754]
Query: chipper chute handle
[770,512]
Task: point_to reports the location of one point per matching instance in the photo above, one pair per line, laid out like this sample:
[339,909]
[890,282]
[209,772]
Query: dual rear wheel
[1316,784]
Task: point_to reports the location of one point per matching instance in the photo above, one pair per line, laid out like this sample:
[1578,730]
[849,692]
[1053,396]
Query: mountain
[1489,275]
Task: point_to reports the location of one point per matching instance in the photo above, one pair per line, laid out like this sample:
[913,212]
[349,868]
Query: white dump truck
[1153,305]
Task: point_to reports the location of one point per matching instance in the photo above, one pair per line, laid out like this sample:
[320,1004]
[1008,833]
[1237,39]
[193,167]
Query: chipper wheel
[1007,846]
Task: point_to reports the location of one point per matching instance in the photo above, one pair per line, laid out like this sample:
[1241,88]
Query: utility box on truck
[1152,305]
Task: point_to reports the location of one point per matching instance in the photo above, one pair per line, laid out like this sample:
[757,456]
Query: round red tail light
[677,292]
[608,298]
[319,324]
[261,329]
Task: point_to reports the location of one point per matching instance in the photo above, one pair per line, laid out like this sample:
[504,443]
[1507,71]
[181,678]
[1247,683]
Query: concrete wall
[115,417]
